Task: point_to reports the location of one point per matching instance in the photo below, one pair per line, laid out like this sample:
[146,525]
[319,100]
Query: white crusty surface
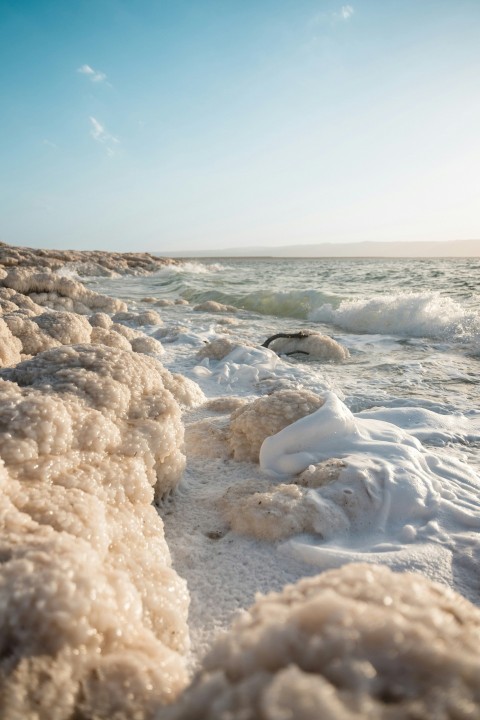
[277,512]
[214,306]
[217,349]
[148,317]
[100,320]
[48,330]
[147,345]
[185,391]
[358,642]
[252,423]
[59,293]
[123,393]
[10,346]
[93,616]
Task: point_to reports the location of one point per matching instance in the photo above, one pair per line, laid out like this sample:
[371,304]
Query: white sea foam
[429,426]
[392,488]
[416,314]
[194,268]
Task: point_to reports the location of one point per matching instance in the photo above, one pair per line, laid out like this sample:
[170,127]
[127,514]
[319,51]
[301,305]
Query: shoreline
[91,432]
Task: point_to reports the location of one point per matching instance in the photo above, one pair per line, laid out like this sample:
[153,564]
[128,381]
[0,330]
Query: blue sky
[190,124]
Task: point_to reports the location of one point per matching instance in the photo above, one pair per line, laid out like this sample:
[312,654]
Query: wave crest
[426,314]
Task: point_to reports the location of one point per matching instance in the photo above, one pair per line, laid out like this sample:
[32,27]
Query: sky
[191,124]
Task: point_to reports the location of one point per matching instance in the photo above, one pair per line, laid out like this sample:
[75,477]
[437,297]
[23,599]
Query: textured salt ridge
[93,617]
[84,262]
[351,643]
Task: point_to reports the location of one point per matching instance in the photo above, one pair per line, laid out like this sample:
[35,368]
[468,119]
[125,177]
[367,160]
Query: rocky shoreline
[87,263]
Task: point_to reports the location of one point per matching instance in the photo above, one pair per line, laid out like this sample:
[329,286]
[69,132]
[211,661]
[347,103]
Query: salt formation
[59,293]
[100,336]
[148,317]
[208,438]
[93,617]
[12,301]
[147,345]
[167,302]
[101,320]
[185,391]
[84,262]
[314,344]
[213,306]
[217,349]
[10,346]
[281,511]
[351,643]
[266,416]
[225,404]
[48,330]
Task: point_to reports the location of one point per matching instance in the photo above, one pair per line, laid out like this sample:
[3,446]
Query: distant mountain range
[456,248]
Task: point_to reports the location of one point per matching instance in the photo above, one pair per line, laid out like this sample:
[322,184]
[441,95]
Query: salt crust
[266,416]
[93,617]
[101,320]
[148,317]
[208,438]
[356,642]
[10,346]
[47,330]
[242,435]
[217,349]
[316,345]
[276,512]
[59,293]
[225,404]
[280,511]
[167,302]
[213,306]
[83,262]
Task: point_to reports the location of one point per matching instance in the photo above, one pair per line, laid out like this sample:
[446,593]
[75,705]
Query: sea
[403,411]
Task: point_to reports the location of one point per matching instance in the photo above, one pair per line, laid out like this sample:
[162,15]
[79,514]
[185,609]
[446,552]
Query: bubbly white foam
[422,314]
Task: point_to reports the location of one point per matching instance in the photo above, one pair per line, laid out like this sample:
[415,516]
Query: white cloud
[95,76]
[346,12]
[324,18]
[100,135]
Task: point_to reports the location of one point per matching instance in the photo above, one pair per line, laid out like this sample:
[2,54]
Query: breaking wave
[426,314]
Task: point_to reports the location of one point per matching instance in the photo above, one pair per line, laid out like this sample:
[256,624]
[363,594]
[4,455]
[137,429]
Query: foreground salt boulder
[351,643]
[98,399]
[93,619]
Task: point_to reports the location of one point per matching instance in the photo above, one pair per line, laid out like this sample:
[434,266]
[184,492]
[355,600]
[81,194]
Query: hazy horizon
[134,124]
[453,249]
